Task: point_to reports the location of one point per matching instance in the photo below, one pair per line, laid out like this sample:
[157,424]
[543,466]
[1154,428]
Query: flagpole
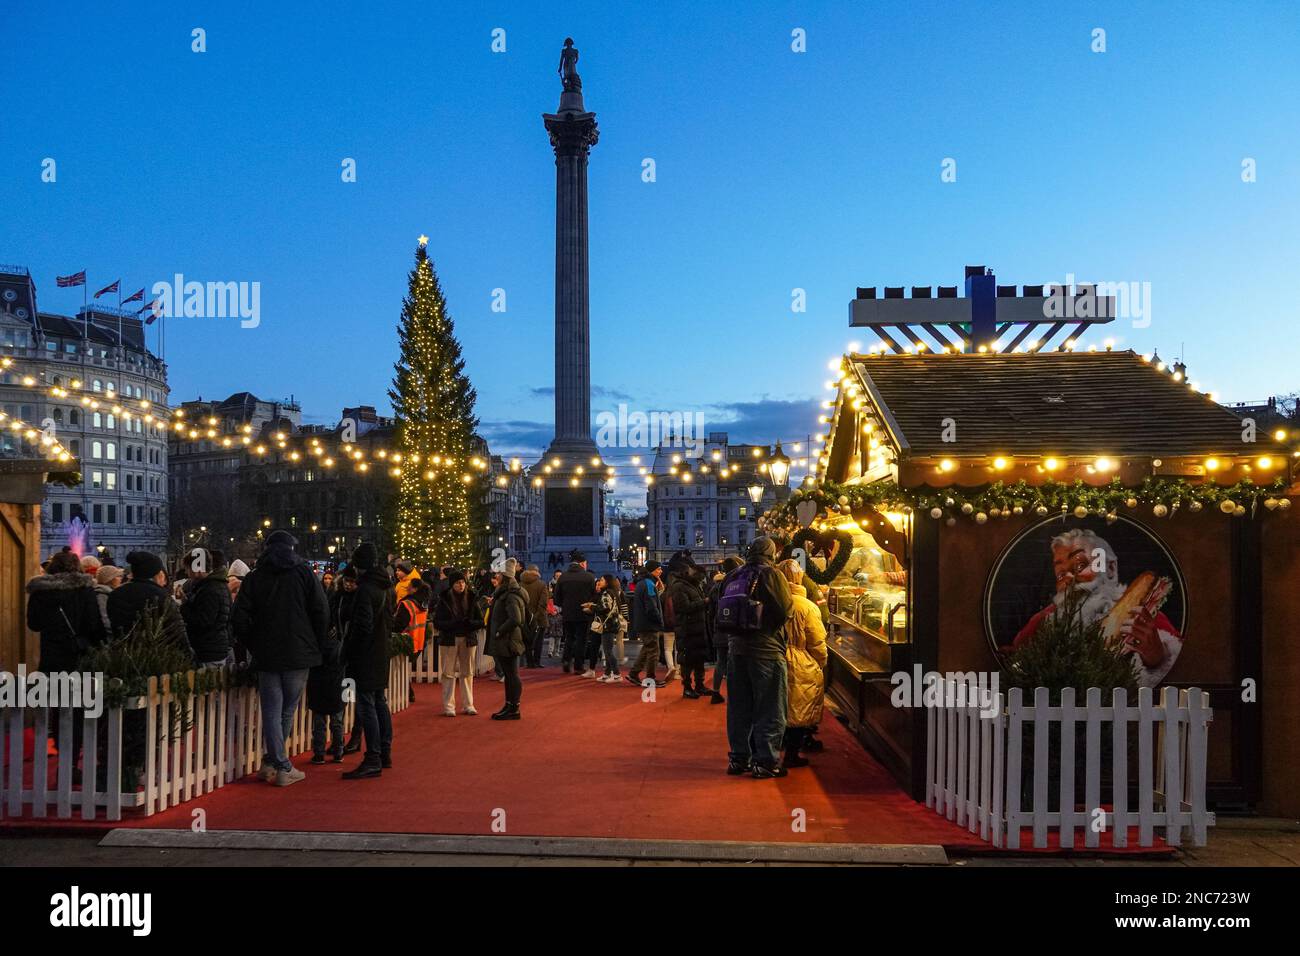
[119,314]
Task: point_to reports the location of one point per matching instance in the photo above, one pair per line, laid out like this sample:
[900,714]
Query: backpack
[738,612]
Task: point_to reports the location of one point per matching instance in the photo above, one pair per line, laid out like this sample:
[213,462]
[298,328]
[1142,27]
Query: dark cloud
[597,391]
[766,420]
[517,437]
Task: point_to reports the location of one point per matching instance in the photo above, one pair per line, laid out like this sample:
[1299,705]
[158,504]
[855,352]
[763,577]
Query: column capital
[572,134]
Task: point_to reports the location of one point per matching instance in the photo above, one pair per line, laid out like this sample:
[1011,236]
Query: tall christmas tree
[434,402]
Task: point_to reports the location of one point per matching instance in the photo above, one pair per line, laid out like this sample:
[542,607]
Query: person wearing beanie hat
[575,594]
[147,588]
[756,667]
[281,617]
[719,638]
[366,648]
[90,564]
[456,623]
[406,578]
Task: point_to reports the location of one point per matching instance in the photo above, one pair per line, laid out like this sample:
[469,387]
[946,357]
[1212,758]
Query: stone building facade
[96,386]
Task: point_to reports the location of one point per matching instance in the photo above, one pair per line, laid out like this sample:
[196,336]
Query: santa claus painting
[1131,614]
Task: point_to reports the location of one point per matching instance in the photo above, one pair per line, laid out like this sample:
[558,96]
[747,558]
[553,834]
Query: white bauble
[936,512]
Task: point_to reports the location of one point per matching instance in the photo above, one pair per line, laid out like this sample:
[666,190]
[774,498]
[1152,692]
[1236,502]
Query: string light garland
[1165,497]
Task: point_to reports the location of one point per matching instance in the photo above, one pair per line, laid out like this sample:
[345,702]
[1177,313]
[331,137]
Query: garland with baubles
[1165,497]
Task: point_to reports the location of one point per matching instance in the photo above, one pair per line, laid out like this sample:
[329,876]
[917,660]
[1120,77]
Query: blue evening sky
[775,170]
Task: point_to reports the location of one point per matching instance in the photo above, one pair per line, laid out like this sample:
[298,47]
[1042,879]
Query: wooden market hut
[947,461]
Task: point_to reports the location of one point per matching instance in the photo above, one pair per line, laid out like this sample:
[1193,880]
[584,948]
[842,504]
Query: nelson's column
[573,471]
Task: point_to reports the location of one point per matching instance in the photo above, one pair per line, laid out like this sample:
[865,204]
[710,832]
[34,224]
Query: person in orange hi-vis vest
[412,615]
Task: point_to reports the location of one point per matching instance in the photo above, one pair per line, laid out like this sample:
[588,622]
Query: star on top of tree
[423,240]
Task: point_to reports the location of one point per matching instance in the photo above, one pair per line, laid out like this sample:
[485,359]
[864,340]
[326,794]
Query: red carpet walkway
[587,759]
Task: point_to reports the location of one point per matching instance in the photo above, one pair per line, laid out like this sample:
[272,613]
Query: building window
[128,514]
[741,511]
[96,420]
[56,511]
[699,514]
[110,480]
[110,451]
[58,416]
[112,514]
[74,418]
[97,386]
[74,446]
[110,421]
[699,537]
[681,514]
[98,512]
[722,513]
[96,449]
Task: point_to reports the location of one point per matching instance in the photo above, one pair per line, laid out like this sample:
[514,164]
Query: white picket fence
[223,744]
[975,769]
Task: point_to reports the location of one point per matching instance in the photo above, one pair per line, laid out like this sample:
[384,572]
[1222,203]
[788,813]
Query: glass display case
[867,601]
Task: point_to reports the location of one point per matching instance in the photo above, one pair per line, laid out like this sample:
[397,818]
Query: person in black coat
[575,594]
[325,681]
[692,637]
[367,655]
[63,609]
[147,588]
[507,619]
[282,618]
[206,611]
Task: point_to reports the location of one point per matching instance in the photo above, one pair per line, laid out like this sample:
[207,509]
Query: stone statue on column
[569,67]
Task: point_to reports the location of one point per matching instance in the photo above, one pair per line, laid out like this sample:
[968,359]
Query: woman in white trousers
[456,621]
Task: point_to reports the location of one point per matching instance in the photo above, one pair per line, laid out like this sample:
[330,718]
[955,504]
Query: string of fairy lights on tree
[434,405]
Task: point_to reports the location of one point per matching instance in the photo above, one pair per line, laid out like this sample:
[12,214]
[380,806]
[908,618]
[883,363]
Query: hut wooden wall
[1202,546]
[20,546]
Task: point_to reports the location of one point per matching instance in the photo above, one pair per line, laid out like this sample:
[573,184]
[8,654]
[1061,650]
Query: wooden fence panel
[975,774]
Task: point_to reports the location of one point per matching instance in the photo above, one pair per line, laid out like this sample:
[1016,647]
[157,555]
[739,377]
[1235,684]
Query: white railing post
[1065,778]
[1092,767]
[1014,752]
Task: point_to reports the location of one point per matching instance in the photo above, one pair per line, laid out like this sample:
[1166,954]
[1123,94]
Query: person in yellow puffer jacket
[406,578]
[805,660]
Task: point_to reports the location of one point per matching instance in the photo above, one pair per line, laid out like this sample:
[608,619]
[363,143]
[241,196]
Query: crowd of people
[760,624]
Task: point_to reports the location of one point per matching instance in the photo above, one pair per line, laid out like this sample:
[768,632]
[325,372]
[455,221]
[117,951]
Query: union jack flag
[137,297]
[78,278]
[108,288]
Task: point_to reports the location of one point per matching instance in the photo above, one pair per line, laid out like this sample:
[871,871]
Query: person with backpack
[689,606]
[752,610]
[282,617]
[718,637]
[647,623]
[410,617]
[455,621]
